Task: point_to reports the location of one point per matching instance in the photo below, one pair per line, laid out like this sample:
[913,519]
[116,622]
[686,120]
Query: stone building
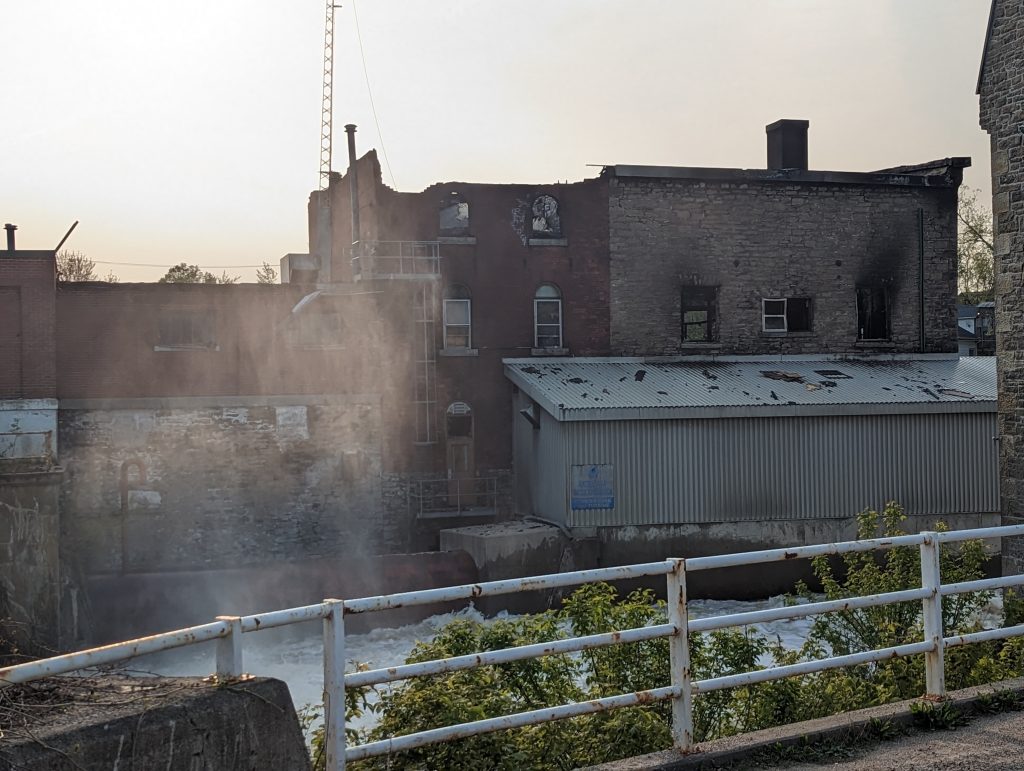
[1001,88]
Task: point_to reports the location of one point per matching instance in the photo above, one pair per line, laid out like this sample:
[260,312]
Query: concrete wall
[172,724]
[1002,116]
[30,571]
[182,484]
[776,239]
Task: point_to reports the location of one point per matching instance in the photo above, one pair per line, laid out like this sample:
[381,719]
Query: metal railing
[681,690]
[396,259]
[435,498]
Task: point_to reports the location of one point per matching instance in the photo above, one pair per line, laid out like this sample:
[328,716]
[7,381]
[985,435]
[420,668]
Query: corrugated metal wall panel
[541,471]
[718,470]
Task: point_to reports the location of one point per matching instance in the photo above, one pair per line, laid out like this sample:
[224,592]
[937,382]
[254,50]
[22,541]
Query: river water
[296,655]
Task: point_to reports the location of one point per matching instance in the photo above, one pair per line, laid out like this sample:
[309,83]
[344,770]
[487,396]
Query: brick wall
[1002,116]
[758,240]
[27,280]
[215,483]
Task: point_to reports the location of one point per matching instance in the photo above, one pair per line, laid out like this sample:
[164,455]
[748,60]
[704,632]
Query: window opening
[453,218]
[547,222]
[186,328]
[699,305]
[459,420]
[872,313]
[458,315]
[547,317]
[789,314]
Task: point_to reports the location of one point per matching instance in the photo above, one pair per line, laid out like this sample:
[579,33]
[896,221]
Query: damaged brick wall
[174,486]
[1002,115]
[756,240]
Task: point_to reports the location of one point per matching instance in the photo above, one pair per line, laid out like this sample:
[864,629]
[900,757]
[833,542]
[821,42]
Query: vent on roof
[833,373]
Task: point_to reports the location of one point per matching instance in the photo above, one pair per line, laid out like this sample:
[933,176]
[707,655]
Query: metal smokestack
[353,179]
[10,235]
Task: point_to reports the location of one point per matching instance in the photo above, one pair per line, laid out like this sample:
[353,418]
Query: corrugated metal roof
[617,389]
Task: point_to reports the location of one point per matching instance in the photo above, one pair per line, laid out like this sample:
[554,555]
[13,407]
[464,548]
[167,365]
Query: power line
[155,265]
[369,91]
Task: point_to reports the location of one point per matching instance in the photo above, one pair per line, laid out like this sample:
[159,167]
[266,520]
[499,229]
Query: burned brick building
[364,406]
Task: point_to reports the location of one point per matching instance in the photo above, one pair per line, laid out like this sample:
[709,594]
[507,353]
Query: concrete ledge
[744,748]
[177,724]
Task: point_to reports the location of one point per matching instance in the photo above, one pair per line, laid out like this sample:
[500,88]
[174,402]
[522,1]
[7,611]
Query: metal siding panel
[702,471]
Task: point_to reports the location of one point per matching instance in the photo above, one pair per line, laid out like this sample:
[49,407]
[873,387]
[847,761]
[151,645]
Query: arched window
[458,315]
[459,420]
[547,317]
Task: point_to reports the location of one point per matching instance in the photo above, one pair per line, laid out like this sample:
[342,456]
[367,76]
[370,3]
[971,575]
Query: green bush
[476,694]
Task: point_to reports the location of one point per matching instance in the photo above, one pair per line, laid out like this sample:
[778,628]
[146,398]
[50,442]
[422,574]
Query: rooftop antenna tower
[326,110]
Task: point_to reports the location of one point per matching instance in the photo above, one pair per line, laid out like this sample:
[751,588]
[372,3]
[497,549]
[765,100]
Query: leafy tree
[75,266]
[974,249]
[183,273]
[267,274]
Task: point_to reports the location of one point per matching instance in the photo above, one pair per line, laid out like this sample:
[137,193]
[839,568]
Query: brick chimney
[787,144]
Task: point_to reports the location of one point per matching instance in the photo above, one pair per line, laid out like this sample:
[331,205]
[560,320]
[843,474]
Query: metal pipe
[801,611]
[110,654]
[920,278]
[507,586]
[1002,531]
[506,655]
[10,235]
[275,618]
[229,649]
[809,667]
[66,236]
[798,552]
[411,741]
[984,585]
[986,636]
[353,179]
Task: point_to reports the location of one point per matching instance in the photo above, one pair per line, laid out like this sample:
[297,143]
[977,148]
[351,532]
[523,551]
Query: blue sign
[593,487]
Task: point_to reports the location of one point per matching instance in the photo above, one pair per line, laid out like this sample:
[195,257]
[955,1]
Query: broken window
[872,313]
[788,314]
[457,318]
[454,216]
[547,222]
[459,420]
[547,317]
[186,328]
[699,310]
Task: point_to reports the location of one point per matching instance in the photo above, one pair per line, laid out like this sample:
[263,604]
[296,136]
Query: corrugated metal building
[612,442]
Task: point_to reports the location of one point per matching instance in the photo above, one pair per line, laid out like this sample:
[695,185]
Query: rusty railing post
[229,649]
[679,659]
[334,685]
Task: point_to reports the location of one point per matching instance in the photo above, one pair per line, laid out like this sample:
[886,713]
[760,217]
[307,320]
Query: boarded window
[186,328]
[700,311]
[872,313]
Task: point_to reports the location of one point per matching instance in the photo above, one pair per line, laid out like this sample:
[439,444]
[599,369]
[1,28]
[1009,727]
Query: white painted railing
[228,631]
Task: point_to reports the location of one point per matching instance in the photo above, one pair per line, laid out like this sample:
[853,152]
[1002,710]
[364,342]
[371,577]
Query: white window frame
[537,325]
[765,316]
[468,326]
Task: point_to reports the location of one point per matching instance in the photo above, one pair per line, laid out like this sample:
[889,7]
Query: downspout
[920,277]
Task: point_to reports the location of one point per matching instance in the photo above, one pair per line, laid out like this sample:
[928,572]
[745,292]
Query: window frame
[699,299]
[787,306]
[555,297]
[467,325]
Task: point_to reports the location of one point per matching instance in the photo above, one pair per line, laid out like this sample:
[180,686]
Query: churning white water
[298,658]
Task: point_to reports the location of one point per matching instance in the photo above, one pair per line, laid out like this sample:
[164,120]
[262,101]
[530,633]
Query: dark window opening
[186,328]
[453,218]
[699,311]
[872,314]
[459,420]
[798,314]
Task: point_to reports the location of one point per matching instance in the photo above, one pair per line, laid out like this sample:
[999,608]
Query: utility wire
[156,265]
[369,91]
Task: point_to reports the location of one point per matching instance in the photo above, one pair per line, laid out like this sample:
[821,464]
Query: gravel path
[985,744]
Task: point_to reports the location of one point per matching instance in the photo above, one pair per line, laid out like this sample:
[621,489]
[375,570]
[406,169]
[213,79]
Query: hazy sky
[189,130]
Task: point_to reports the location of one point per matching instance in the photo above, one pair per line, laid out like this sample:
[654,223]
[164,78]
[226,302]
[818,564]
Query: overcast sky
[190,130]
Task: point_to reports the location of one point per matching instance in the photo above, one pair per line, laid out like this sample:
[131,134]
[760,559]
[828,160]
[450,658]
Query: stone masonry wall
[245,481]
[1002,116]
[773,240]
